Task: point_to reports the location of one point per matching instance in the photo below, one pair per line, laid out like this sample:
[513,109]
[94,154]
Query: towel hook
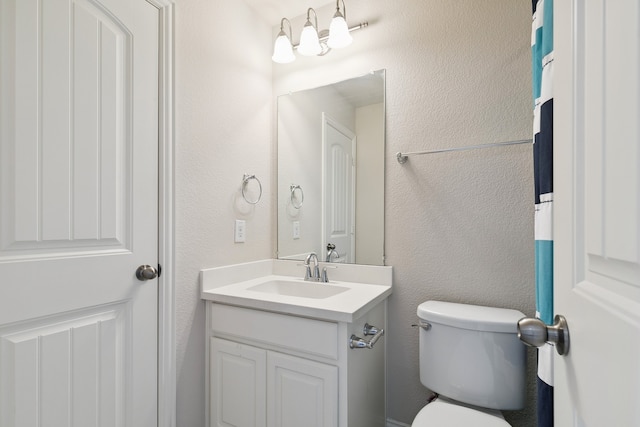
[293,188]
[245,180]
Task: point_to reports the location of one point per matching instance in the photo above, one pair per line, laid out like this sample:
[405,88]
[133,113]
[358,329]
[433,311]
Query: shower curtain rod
[403,157]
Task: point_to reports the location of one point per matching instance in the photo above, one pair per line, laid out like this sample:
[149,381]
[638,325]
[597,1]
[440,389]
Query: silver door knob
[146,272]
[535,333]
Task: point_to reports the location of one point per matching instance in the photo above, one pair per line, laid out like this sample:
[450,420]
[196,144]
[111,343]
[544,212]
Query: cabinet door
[238,385]
[301,392]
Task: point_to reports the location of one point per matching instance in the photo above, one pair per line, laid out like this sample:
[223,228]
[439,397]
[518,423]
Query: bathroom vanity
[285,352]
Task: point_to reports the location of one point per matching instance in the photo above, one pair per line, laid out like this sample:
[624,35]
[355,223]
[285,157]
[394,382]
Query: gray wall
[459,227]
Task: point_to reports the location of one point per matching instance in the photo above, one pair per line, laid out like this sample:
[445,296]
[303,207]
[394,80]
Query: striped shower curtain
[542,56]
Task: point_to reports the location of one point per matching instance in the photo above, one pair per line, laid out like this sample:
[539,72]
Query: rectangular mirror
[331,143]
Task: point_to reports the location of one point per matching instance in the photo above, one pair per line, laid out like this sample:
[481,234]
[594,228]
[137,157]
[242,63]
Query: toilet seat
[444,413]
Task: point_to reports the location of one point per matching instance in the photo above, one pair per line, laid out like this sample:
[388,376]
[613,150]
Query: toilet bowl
[447,413]
[472,358]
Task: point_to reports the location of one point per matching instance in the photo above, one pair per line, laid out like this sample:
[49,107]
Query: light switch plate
[296,229]
[240,231]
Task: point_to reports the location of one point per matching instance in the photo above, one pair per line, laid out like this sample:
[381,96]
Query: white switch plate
[240,231]
[296,229]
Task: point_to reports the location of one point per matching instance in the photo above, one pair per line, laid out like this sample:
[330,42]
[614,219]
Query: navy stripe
[543,152]
[545,404]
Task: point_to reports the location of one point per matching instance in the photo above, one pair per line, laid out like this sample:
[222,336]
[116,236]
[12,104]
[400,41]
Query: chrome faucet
[331,252]
[315,276]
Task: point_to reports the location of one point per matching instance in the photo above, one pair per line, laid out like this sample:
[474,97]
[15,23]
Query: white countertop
[230,285]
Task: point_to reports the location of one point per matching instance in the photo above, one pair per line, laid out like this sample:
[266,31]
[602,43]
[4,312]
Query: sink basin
[299,289]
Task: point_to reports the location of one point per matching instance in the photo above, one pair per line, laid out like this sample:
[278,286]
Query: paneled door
[597,210]
[338,189]
[78,212]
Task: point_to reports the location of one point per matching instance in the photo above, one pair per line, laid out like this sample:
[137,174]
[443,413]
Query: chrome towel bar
[403,157]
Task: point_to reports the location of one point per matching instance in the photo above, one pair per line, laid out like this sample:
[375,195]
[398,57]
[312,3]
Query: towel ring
[293,197]
[245,179]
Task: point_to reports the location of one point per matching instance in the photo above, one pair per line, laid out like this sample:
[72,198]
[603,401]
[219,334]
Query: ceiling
[363,90]
[275,10]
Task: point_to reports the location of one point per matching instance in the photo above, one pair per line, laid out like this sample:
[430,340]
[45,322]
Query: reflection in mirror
[331,172]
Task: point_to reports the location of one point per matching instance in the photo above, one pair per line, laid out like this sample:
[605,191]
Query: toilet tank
[472,354]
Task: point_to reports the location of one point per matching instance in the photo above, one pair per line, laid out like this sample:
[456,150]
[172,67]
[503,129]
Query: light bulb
[309,42]
[282,49]
[339,35]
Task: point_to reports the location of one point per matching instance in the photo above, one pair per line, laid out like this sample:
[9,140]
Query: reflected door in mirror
[338,216]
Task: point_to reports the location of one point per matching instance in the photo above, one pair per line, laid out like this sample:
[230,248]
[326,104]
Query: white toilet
[471,356]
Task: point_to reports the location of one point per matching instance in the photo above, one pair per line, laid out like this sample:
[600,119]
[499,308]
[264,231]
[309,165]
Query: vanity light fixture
[339,36]
[309,41]
[283,49]
[312,40]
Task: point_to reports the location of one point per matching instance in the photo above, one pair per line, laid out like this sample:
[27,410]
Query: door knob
[535,333]
[146,272]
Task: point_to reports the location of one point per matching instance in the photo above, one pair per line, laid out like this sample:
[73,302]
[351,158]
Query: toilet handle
[422,324]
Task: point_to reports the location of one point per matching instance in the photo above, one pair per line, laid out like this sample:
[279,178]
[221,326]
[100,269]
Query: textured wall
[459,226]
[223,130]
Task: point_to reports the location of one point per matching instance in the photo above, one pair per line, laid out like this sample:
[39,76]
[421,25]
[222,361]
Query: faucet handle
[307,274]
[324,277]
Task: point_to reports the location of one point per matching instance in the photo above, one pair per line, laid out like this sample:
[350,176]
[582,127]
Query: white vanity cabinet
[246,380]
[270,369]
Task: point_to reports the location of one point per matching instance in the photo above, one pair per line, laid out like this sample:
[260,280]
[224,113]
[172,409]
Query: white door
[78,212]
[597,217]
[338,194]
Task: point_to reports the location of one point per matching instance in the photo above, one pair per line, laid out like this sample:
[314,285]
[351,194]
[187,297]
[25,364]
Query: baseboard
[394,423]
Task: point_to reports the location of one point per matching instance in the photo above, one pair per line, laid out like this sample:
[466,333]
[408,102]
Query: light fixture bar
[313,41]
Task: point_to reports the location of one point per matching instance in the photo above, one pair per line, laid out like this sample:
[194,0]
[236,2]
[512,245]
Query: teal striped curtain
[542,57]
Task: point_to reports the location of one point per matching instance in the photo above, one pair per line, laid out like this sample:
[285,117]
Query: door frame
[166,248]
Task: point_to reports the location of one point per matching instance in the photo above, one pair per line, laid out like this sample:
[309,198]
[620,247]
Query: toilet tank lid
[473,317]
